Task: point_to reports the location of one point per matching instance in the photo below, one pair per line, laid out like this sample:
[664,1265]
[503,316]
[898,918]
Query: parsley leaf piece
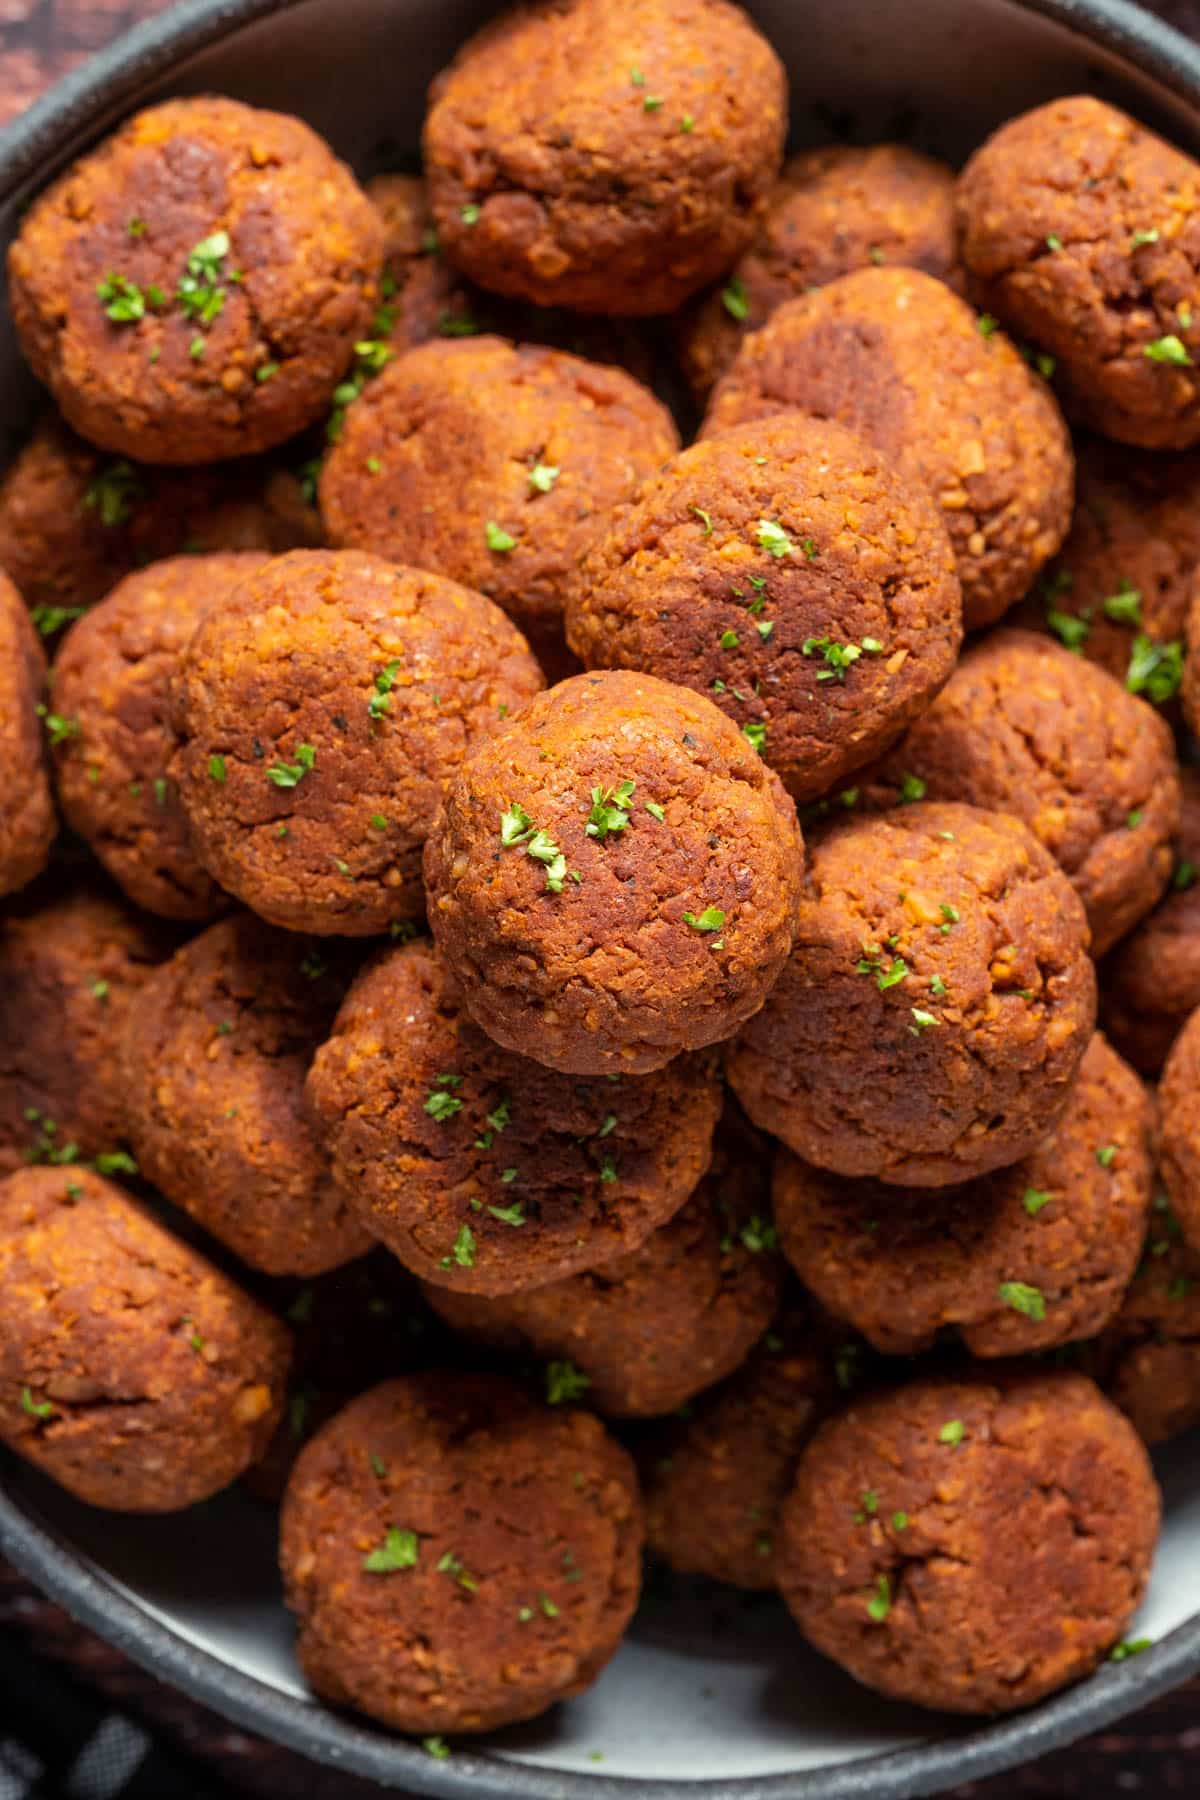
[497,538]
[1169,349]
[1029,1301]
[290,775]
[609,809]
[399,1550]
[711,919]
[773,538]
[734,300]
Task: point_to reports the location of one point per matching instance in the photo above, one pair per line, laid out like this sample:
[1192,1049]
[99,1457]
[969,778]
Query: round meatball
[1151,982]
[897,357]
[1179,1129]
[112,678]
[134,1373]
[929,1024]
[615,877]
[1082,231]
[920,1513]
[214,1057]
[1150,1356]
[1190,688]
[194,287]
[645,1332]
[457,1556]
[480,1169]
[1024,727]
[609,155]
[27,823]
[69,971]
[832,210]
[787,569]
[542,446]
[318,711]
[1032,1256]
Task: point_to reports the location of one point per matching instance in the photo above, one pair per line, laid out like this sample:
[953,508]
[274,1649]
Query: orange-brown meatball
[1149,1359]
[27,822]
[1179,1129]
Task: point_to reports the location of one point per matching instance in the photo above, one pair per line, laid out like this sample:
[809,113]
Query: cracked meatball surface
[318,711]
[28,826]
[602,937]
[1024,1259]
[789,571]
[1082,231]
[193,288]
[214,1057]
[920,1513]
[481,1169]
[134,1373]
[898,358]
[607,155]
[457,1556]
[934,1012]
[1024,727]
[112,678]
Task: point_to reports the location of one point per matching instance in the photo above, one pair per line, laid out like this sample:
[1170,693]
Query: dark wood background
[1152,1756]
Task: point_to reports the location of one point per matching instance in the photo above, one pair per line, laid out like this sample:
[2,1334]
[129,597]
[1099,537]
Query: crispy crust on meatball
[1149,1359]
[27,822]
[1179,1129]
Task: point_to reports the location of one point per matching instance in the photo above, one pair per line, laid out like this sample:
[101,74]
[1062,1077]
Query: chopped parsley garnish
[542,477]
[656,812]
[37,1409]
[547,1605]
[952,1433]
[385,681]
[608,1168]
[508,1215]
[880,1603]
[564,1382]
[456,325]
[399,1550]
[704,519]
[437,1747]
[378,1467]
[516,826]
[1071,631]
[1130,1647]
[113,493]
[216,770]
[652,102]
[1169,349]
[1185,874]
[114,1162]
[1125,606]
[711,919]
[450,1564]
[49,619]
[543,849]
[921,1021]
[290,775]
[609,809]
[1034,1199]
[755,734]
[440,1103]
[733,299]
[266,372]
[497,538]
[773,538]
[1105,1155]
[1143,237]
[911,788]
[838,657]
[758,1235]
[868,1506]
[469,214]
[58,729]
[124,302]
[1029,1301]
[463,1251]
[1053,242]
[1133,819]
[1155,670]
[950,916]
[937,986]
[899,1521]
[985,325]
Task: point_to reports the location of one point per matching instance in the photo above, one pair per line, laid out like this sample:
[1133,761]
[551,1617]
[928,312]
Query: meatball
[69,971]
[833,209]
[1179,1128]
[27,823]
[480,1169]
[542,446]
[919,1514]
[1024,727]
[645,1332]
[194,287]
[1151,982]
[1082,231]
[760,566]
[134,1373]
[1190,688]
[610,936]
[214,1058]
[897,357]
[318,711]
[457,1556]
[1150,1356]
[609,155]
[929,1024]
[112,678]
[1029,1257]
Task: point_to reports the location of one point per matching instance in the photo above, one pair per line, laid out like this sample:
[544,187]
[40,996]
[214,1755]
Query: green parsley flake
[464,1248]
[564,1382]
[290,775]
[385,681]
[196,349]
[704,519]
[508,1215]
[921,1021]
[469,214]
[199,294]
[609,809]
[1105,1155]
[1034,1199]
[1167,349]
[880,1603]
[652,102]
[1185,874]
[547,1605]
[49,619]
[1155,669]
[1029,1301]
[733,299]
[1143,237]
[216,770]
[729,640]
[899,1521]
[437,1747]
[542,477]
[1053,242]
[378,1467]
[1125,606]
[764,628]
[656,812]
[912,788]
[838,657]
[450,1564]
[266,372]
[758,1235]
[952,1433]
[986,325]
[37,1409]
[687,123]
[124,302]
[114,1162]
[516,826]
[497,538]
[1130,1647]
[113,494]
[711,919]
[755,734]
[440,1104]
[1071,631]
[773,538]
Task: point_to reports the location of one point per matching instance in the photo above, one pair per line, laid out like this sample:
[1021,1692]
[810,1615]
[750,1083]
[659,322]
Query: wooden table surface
[1153,1755]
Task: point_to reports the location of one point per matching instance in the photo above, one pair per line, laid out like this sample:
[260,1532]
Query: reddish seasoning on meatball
[614,877]
[457,1556]
[27,823]
[932,1017]
[1151,982]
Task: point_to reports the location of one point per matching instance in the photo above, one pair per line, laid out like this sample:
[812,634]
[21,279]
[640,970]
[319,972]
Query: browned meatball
[481,1169]
[74,522]
[1024,727]
[542,447]
[457,1556]
[609,155]
[133,1372]
[1179,1128]
[1150,1355]
[319,709]
[69,971]
[646,1331]
[971,1544]
[614,878]
[194,287]
[214,1058]
[1151,983]
[1081,230]
[112,678]
[931,1019]
[27,822]
[897,357]
[1190,688]
[787,569]
[1030,1257]
[833,209]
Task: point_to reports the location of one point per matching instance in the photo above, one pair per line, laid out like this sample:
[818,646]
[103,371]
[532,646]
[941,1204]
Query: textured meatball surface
[1150,1356]
[1179,1128]
[1151,983]
[934,1012]
[969,419]
[920,1513]
[457,1556]
[27,823]
[598,937]
[789,571]
[318,710]
[134,1373]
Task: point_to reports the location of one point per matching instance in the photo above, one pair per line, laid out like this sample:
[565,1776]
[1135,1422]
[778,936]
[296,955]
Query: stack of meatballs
[549,979]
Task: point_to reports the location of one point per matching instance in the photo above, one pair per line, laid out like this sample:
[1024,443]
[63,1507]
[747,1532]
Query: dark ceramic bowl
[713,1697]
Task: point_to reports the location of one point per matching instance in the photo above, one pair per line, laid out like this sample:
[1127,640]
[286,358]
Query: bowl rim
[69,115]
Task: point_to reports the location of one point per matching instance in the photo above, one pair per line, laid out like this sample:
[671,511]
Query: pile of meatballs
[548,979]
